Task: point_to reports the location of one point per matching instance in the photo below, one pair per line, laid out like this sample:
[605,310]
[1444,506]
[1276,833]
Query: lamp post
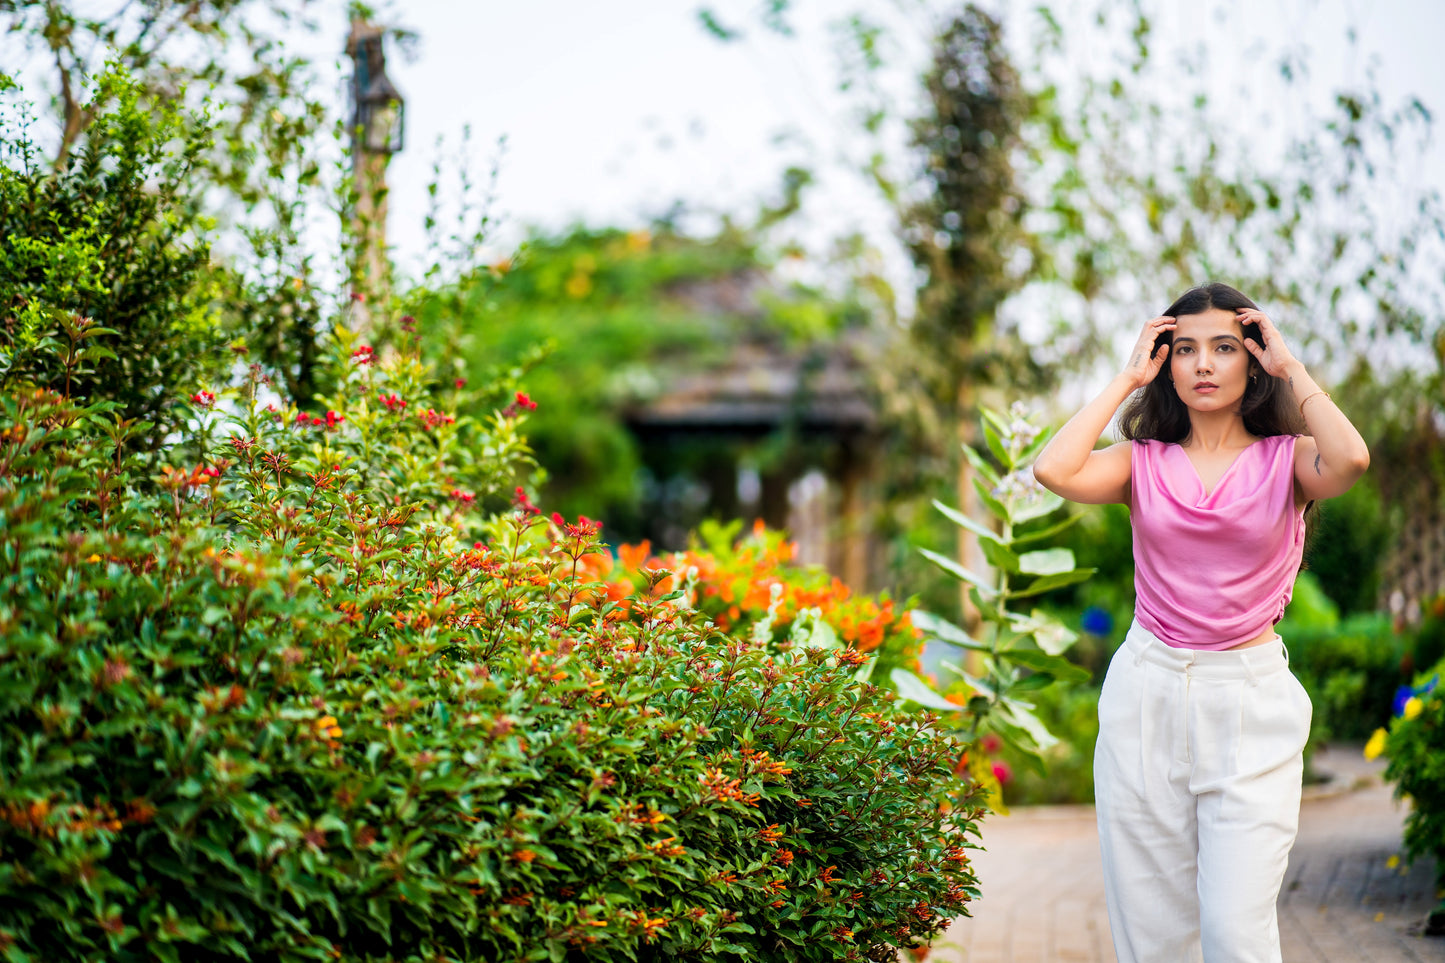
[378,124]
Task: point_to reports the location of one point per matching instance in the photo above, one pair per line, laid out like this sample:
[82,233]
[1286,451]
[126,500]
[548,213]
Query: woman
[1198,765]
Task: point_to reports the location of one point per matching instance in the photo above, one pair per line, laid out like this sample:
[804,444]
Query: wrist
[1128,383]
[1297,377]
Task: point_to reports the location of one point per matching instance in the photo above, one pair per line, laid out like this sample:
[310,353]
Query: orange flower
[632,557]
[524,855]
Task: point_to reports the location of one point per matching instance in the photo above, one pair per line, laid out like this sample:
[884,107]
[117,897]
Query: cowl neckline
[1207,494]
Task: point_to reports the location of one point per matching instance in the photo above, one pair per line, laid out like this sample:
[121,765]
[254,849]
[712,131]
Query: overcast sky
[612,111]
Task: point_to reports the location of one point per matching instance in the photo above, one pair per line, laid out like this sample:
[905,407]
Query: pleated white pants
[1197,776]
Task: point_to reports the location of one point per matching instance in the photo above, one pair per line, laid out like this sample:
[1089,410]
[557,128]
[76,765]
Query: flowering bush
[753,587]
[298,695]
[1415,745]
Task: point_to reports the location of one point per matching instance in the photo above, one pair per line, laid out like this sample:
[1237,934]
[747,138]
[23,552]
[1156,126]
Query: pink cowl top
[1212,571]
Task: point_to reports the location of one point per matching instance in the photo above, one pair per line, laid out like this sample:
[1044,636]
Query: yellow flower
[1376,745]
[1413,705]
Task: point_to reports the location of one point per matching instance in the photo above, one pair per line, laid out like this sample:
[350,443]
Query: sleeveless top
[1212,571]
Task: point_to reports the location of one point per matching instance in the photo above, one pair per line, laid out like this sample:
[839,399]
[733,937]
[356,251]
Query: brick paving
[1043,889]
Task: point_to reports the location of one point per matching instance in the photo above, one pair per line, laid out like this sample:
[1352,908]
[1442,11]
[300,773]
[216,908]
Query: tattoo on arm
[1137,359]
[1291,382]
[1317,464]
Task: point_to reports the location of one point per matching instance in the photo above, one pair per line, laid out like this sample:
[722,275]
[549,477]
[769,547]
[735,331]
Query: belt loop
[1249,668]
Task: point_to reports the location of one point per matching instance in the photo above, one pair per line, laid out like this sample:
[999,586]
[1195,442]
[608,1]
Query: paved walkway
[1342,902]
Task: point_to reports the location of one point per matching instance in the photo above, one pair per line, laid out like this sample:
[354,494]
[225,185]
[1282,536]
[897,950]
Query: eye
[1226,347]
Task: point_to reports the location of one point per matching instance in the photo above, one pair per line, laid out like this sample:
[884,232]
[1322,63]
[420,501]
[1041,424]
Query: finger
[1255,316]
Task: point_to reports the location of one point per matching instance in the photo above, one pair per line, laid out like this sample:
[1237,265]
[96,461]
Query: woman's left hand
[1274,355]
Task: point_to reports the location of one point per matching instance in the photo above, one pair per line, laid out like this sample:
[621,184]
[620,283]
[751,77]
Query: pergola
[811,412]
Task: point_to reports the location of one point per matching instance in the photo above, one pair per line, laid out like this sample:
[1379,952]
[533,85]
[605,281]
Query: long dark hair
[1157,413]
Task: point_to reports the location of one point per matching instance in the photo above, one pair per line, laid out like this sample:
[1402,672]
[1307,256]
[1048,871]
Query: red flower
[363,355]
[461,383]
[392,402]
[523,503]
[333,418]
[526,402]
[431,418]
[203,399]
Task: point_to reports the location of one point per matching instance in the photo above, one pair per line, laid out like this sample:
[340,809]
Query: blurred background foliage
[619,311]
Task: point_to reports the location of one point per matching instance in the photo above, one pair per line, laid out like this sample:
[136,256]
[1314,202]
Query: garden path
[1043,890]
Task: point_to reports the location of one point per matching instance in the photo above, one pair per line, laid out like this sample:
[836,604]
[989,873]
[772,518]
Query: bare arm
[1333,456]
[1069,466]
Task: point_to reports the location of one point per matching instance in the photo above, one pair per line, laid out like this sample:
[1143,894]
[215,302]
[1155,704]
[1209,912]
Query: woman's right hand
[1144,361]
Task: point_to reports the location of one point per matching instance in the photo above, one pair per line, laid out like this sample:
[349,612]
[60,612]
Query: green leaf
[996,445]
[999,556]
[944,630]
[1049,582]
[1044,504]
[1048,633]
[1032,682]
[991,417]
[914,689]
[986,496]
[93,352]
[1037,445]
[1046,532]
[977,684]
[1018,714]
[980,465]
[959,518]
[1048,561]
[1053,665]
[959,572]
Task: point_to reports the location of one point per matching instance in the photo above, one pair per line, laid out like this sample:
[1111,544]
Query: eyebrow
[1217,337]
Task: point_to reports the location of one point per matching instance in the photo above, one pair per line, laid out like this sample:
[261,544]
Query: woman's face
[1208,360]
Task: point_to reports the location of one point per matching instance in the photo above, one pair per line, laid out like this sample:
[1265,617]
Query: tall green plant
[115,237]
[1015,652]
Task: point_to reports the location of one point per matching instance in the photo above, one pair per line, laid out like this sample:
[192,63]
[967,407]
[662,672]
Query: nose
[1203,365]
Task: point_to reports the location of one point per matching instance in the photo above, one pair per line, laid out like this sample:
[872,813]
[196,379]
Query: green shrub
[300,699]
[116,236]
[1347,546]
[1350,667]
[1415,745]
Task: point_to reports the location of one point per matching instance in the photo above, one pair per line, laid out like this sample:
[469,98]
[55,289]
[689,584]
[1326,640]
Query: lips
[1204,387]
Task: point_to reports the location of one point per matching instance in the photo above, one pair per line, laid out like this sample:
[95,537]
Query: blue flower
[1405,693]
[1096,621]
[1402,696]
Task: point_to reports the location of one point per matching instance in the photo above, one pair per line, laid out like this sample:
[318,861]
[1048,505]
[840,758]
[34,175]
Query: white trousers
[1197,776]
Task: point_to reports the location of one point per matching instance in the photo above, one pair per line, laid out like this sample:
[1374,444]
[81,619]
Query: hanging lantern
[378,123]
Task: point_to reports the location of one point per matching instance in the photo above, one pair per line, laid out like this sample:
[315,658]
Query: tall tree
[965,232]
